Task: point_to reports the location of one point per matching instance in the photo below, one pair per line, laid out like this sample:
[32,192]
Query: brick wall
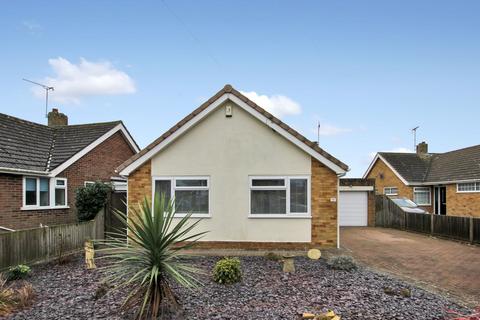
[385,177]
[462,204]
[98,164]
[140,184]
[324,212]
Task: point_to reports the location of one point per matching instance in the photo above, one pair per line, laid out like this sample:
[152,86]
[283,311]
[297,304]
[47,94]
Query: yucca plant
[151,258]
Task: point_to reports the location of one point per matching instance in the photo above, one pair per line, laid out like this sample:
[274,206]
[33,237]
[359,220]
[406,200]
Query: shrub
[227,271]
[151,259]
[18,272]
[11,299]
[346,263]
[91,199]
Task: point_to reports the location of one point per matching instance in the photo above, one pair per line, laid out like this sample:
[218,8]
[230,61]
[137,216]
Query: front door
[440,200]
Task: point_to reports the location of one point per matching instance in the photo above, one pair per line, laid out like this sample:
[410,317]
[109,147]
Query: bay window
[279,196]
[191,194]
[422,196]
[37,192]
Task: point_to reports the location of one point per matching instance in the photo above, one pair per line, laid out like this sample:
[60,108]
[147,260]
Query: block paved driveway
[447,266]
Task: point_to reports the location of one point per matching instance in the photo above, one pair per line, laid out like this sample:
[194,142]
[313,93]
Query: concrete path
[449,266]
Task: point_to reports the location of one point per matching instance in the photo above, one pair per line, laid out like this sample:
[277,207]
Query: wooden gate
[117,201]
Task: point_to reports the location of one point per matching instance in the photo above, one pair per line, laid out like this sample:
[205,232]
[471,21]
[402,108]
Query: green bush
[18,272]
[346,263]
[91,199]
[227,271]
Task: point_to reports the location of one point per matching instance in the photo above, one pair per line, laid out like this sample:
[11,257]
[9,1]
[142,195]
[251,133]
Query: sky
[368,71]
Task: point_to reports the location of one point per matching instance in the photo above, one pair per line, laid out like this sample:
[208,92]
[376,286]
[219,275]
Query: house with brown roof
[441,183]
[41,166]
[253,181]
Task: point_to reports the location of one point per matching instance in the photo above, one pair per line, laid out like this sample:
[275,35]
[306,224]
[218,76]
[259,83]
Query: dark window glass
[30,191]
[162,187]
[268,201]
[268,182]
[44,192]
[191,183]
[298,196]
[191,201]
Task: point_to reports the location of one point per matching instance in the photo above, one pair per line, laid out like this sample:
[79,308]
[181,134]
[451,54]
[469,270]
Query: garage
[353,208]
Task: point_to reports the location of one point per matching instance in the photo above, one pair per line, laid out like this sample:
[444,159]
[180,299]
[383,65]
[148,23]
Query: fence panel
[452,226]
[389,215]
[418,222]
[38,244]
[476,230]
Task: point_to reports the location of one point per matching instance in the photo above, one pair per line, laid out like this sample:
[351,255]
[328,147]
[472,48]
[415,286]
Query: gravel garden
[69,291]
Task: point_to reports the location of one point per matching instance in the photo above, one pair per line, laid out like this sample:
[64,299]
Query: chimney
[422,148]
[57,119]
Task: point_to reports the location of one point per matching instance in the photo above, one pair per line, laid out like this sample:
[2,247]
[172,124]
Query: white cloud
[278,105]
[75,81]
[32,27]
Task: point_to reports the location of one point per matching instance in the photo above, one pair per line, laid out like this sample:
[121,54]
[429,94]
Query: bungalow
[253,181]
[442,183]
[41,166]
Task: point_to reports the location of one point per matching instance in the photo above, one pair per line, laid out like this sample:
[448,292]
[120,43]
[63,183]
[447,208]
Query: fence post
[404,220]
[432,223]
[471,230]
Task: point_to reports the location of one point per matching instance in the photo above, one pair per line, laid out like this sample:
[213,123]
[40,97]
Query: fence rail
[43,244]
[389,215]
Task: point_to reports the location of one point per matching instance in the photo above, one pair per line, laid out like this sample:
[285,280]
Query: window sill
[43,208]
[279,216]
[195,215]
[476,191]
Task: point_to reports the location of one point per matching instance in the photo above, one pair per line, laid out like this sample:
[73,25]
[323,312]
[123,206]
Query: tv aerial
[47,88]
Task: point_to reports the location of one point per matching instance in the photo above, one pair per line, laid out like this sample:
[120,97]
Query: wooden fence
[46,243]
[389,215]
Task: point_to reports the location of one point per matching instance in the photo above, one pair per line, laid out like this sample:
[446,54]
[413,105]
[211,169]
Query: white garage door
[353,208]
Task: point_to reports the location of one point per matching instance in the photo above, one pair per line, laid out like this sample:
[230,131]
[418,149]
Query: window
[390,191]
[191,194]
[468,187]
[421,196]
[60,192]
[287,196]
[37,192]
[88,183]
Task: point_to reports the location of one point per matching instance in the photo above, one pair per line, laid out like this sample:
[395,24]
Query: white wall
[229,150]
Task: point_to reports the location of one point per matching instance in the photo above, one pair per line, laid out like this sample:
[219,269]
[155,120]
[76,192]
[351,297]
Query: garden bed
[67,292]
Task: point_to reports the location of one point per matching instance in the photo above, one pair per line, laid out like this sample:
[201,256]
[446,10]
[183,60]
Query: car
[408,205]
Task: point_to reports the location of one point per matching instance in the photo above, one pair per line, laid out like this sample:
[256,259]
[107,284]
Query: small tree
[90,199]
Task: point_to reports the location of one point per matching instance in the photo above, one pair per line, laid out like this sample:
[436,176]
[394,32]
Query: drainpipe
[338,216]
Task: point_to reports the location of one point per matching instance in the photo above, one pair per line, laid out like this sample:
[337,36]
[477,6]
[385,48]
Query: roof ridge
[461,149]
[88,124]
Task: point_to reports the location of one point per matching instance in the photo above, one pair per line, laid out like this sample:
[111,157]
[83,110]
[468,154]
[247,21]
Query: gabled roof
[31,147]
[453,166]
[228,92]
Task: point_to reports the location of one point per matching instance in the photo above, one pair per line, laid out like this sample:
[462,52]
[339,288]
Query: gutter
[23,171]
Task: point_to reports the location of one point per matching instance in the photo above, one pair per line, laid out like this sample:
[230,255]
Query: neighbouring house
[41,166]
[441,183]
[252,180]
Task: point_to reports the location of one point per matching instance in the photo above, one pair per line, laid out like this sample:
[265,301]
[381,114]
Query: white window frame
[173,187]
[286,187]
[417,190]
[477,187]
[390,194]
[86,183]
[64,187]
[52,186]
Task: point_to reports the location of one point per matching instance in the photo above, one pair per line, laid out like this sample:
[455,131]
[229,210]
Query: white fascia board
[445,182]
[92,145]
[228,96]
[356,188]
[23,171]
[379,157]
